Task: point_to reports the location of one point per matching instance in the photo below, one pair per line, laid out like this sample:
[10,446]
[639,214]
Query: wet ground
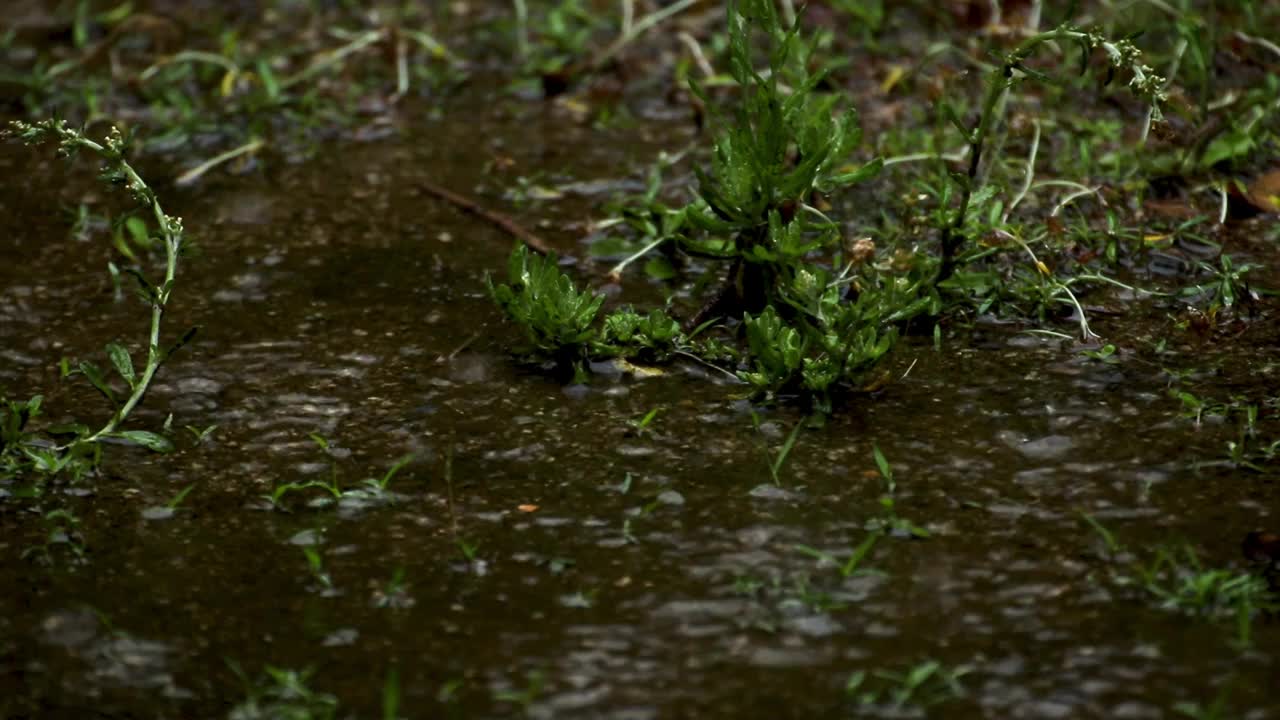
[544,556]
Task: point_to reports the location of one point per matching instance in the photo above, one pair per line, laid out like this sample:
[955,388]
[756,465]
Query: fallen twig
[502,222]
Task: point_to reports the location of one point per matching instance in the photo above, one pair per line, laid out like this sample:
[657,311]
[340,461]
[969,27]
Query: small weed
[1219,709]
[201,434]
[62,532]
[922,686]
[525,697]
[395,594]
[370,490]
[282,695]
[641,424]
[850,567]
[1175,579]
[891,522]
[777,460]
[315,566]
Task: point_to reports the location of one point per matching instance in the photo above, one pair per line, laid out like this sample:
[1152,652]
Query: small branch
[502,222]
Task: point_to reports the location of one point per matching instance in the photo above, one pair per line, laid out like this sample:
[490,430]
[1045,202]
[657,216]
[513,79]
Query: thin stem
[334,57]
[1030,172]
[191,56]
[171,230]
[639,28]
[616,270]
[522,28]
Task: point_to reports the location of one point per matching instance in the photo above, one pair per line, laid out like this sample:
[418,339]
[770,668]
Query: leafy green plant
[808,331]
[773,152]
[116,171]
[557,319]
[629,334]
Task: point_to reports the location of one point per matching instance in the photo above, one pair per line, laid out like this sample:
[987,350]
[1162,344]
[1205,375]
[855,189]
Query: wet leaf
[94,374]
[149,440]
[659,268]
[122,362]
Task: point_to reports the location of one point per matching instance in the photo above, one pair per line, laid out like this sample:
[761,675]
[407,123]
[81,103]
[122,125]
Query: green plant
[535,682]
[808,330]
[626,333]
[557,319]
[853,564]
[315,566]
[924,685]
[116,171]
[891,521]
[1176,579]
[1227,287]
[779,459]
[1121,55]
[62,531]
[282,694]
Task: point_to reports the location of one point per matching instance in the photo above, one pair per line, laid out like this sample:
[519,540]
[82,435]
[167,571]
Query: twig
[502,222]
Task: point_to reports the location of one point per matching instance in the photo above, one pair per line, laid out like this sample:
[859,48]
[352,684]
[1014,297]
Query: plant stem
[1002,79]
[171,230]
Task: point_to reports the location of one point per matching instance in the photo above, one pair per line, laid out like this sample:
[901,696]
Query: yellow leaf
[896,73]
[229,82]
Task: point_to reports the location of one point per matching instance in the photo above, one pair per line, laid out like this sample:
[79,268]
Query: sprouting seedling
[636,514]
[201,434]
[524,697]
[395,594]
[276,497]
[380,485]
[1109,540]
[775,468]
[176,500]
[892,521]
[469,550]
[853,564]
[643,423]
[886,470]
[925,684]
[777,460]
[315,565]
